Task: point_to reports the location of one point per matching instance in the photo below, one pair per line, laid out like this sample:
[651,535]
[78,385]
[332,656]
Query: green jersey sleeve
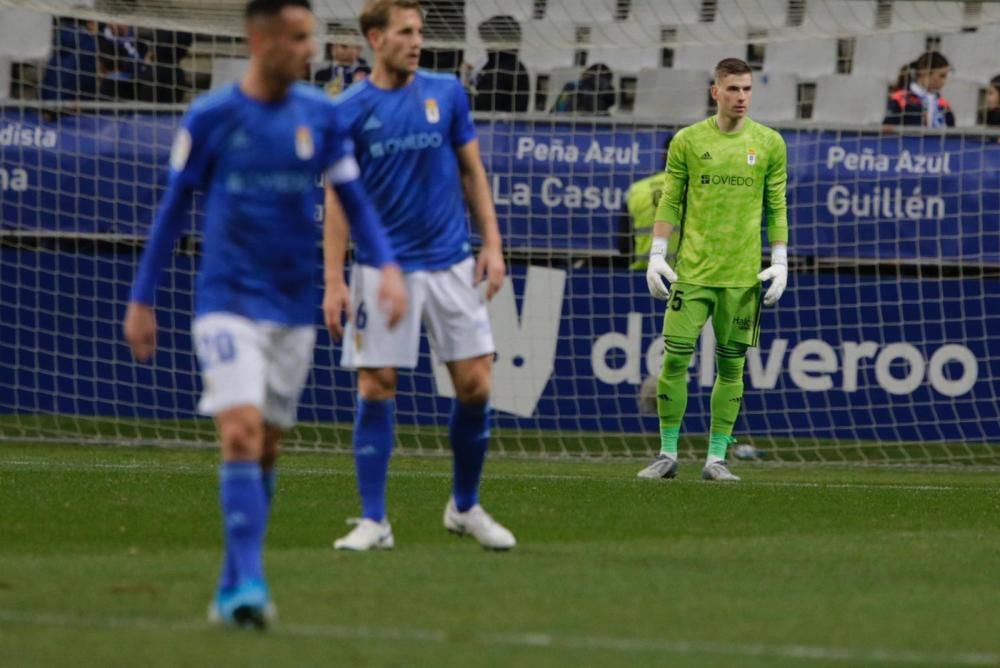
[723,179]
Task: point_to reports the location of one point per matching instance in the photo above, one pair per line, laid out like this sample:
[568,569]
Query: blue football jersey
[405,142]
[258,164]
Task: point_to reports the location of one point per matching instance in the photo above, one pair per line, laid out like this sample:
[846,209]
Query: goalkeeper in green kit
[723,173]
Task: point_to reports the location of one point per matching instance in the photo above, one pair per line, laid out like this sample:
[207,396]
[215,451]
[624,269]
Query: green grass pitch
[108,557]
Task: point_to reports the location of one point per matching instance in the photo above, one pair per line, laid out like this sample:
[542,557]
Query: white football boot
[718,471]
[366,535]
[477,523]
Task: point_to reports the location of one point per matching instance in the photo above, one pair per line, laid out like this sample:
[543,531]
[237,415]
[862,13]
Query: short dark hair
[376,13]
[995,82]
[268,8]
[730,66]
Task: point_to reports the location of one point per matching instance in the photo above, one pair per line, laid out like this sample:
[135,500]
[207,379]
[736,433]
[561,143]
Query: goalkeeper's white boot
[719,471]
[664,466]
[366,535]
[477,523]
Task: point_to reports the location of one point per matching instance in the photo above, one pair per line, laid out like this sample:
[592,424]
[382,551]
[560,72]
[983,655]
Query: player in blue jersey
[255,150]
[419,156]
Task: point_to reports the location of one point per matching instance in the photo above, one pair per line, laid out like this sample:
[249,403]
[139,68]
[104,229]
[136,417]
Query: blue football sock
[374,433]
[244,517]
[227,579]
[469,431]
[269,479]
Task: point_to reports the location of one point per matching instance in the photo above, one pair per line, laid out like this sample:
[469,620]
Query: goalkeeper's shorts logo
[741,323]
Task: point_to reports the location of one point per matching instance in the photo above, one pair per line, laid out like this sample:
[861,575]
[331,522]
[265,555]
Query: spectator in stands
[992,116]
[593,93]
[124,62]
[164,80]
[500,81]
[71,73]
[916,99]
[346,66]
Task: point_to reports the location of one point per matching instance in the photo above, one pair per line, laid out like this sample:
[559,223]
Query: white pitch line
[178,468]
[535,640]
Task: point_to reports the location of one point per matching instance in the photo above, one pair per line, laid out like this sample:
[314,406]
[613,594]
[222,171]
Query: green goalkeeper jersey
[726,182]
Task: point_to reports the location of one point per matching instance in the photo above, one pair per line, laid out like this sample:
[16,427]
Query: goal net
[885,347]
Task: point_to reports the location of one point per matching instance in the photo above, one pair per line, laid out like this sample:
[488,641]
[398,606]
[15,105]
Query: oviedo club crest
[431,111]
[304,148]
[751,157]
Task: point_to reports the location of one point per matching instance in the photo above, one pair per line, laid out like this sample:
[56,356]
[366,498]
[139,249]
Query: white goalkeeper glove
[658,269]
[777,273]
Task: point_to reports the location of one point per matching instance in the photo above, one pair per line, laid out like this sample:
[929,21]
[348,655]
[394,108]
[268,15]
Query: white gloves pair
[658,269]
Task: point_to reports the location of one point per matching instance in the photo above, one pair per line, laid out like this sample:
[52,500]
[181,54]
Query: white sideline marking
[41,464]
[525,640]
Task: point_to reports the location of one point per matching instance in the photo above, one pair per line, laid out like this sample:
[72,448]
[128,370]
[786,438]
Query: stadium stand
[882,55]
[225,70]
[673,93]
[4,78]
[25,35]
[973,55]
[850,100]
[775,97]
[808,59]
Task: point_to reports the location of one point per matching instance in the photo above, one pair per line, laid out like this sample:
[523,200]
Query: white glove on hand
[777,273]
[658,269]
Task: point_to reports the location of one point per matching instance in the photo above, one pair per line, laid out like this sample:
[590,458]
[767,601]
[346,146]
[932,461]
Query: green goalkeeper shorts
[735,313]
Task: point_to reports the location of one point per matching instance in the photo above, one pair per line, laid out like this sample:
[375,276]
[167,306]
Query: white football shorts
[448,304]
[249,363]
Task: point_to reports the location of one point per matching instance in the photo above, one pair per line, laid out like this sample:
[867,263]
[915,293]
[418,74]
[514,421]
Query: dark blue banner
[557,185]
[844,355]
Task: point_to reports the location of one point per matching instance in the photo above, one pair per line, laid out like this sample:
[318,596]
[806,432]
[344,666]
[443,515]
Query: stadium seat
[701,47]
[792,52]
[584,11]
[755,13]
[964,97]
[226,70]
[548,44]
[344,10]
[4,78]
[973,55]
[657,14]
[839,17]
[25,35]
[672,96]
[850,99]
[883,55]
[926,15]
[624,46]
[478,12]
[990,12]
[775,97]
[559,77]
